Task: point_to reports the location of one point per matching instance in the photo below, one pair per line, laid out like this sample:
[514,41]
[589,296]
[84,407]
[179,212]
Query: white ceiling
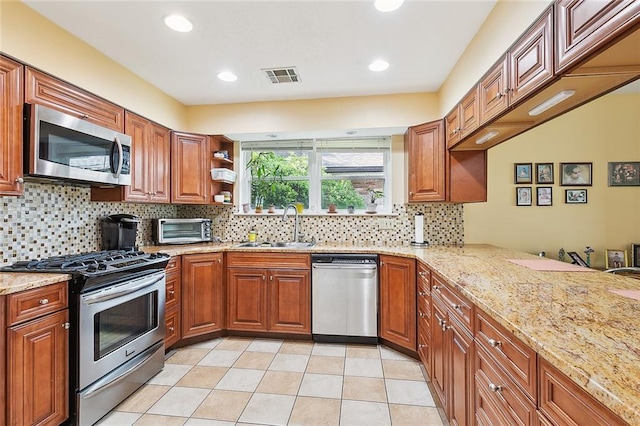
[330,42]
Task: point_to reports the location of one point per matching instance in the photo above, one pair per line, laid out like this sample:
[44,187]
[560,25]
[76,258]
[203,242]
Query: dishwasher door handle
[343,266]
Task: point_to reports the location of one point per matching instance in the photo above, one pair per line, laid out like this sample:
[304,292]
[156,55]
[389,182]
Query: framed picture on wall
[523,196]
[615,258]
[544,172]
[575,196]
[624,174]
[522,172]
[575,174]
[544,196]
[635,255]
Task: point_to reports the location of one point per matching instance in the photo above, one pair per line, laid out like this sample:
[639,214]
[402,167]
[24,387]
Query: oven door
[117,323]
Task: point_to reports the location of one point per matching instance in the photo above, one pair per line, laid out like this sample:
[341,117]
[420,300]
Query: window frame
[316,147]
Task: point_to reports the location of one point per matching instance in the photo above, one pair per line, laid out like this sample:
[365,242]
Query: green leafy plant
[374,195]
[266,173]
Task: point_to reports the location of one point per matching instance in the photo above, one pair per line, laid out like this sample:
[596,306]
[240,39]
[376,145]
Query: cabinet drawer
[172,291]
[565,403]
[174,265]
[457,305]
[34,303]
[424,338]
[424,279]
[172,327]
[269,260]
[508,397]
[487,413]
[43,89]
[517,359]
[424,309]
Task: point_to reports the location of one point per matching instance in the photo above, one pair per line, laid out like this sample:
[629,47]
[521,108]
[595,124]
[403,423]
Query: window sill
[325,214]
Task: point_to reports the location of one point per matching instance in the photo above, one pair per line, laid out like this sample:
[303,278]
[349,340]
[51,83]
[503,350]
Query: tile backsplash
[52,219]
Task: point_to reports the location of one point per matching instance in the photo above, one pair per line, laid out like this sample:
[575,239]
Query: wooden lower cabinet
[263,295]
[398,300]
[37,360]
[274,300]
[202,294]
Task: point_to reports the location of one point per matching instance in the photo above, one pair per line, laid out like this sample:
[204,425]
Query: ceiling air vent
[282,75]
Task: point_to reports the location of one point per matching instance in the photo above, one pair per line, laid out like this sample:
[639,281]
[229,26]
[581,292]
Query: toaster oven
[181,231]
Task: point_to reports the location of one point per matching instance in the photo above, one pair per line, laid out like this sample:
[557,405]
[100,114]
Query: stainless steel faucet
[296,225]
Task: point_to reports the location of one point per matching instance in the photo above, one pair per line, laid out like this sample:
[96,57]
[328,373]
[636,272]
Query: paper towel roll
[419,228]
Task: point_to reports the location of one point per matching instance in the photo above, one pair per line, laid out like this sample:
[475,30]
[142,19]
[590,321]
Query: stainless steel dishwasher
[344,297]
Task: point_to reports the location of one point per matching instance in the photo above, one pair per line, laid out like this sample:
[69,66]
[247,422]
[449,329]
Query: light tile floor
[245,381]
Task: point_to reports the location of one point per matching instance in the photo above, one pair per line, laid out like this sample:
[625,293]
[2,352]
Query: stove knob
[102,266]
[91,268]
[153,256]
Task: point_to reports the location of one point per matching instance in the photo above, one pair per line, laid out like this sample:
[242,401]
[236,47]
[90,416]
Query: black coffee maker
[119,232]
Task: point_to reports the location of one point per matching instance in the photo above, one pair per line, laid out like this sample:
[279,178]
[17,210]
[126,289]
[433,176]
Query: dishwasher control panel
[345,259]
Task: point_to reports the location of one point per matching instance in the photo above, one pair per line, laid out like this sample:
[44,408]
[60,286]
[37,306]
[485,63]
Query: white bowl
[218,198]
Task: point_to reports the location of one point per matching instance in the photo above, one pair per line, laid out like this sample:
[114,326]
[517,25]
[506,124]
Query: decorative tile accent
[53,219]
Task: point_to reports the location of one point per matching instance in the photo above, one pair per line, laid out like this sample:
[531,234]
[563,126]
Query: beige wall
[27,36]
[607,129]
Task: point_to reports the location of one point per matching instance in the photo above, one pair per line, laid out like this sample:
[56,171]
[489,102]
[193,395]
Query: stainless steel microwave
[181,231]
[61,146]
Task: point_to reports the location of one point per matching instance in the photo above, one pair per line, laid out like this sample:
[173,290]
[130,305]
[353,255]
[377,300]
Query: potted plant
[265,174]
[373,195]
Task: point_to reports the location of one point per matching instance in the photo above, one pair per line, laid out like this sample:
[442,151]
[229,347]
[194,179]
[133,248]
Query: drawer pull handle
[44,301]
[172,292]
[171,329]
[422,314]
[494,343]
[66,325]
[421,273]
[494,388]
[455,306]
[436,287]
[422,293]
[422,346]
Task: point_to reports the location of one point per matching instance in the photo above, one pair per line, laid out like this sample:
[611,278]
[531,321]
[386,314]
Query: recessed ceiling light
[227,76]
[388,5]
[378,65]
[178,23]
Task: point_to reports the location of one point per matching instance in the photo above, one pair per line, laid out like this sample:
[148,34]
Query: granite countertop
[569,318]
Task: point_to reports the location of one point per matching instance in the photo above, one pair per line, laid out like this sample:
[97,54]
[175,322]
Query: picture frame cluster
[571,174]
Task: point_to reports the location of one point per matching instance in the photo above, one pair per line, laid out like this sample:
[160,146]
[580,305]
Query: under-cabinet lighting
[388,5]
[486,137]
[178,23]
[553,101]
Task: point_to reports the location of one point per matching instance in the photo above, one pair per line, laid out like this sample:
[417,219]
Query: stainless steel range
[117,325]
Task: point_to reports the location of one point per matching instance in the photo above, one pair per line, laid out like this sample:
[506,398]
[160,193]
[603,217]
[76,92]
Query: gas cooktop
[94,263]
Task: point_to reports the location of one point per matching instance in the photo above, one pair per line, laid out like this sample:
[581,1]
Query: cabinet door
[37,373]
[159,164]
[469,112]
[189,168]
[493,92]
[398,300]
[439,353]
[585,26]
[461,377]
[452,126]
[531,59]
[172,327]
[247,299]
[289,295]
[138,128]
[11,101]
[202,291]
[424,145]
[43,89]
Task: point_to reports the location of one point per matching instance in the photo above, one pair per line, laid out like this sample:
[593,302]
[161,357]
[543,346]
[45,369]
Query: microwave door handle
[120,157]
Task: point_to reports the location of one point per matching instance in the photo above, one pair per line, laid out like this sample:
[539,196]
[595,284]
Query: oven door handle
[107,382]
[122,290]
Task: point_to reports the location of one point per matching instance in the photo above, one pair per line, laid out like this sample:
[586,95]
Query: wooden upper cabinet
[584,27]
[43,89]
[464,118]
[11,102]
[190,168]
[493,91]
[531,59]
[424,147]
[150,165]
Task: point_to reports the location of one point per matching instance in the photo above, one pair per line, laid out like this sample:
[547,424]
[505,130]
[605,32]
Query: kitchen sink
[277,244]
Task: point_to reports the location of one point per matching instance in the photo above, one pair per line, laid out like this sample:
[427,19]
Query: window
[317,173]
